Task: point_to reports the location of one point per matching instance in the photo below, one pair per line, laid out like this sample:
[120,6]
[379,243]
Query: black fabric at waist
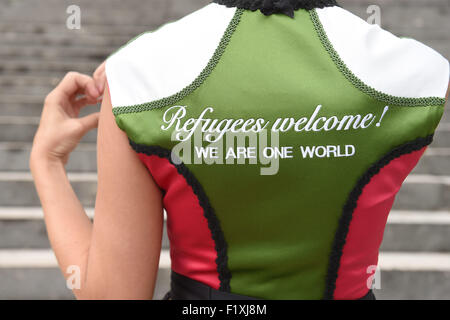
[184,288]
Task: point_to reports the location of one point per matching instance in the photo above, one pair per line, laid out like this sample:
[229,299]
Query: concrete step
[49,284]
[48,27]
[424,192]
[419,192]
[14,156]
[36,67]
[33,110]
[23,129]
[22,93]
[18,188]
[442,136]
[414,276]
[24,228]
[34,275]
[9,82]
[92,13]
[62,39]
[54,52]
[118,13]
[409,231]
[415,231]
[436,161]
[446,116]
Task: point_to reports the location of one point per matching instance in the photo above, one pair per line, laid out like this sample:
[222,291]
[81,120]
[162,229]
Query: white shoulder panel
[399,67]
[161,63]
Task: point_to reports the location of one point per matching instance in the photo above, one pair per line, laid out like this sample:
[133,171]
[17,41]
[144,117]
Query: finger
[91,121]
[86,98]
[83,102]
[92,91]
[100,70]
[85,92]
[100,82]
[73,83]
[100,77]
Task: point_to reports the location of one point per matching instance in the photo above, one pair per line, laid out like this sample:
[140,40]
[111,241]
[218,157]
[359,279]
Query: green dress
[279,140]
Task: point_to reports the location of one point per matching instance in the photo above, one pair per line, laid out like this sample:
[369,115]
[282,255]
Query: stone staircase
[36,50]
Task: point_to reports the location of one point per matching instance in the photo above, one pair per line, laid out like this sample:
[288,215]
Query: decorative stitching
[221,245]
[351,204]
[393,100]
[268,7]
[161,103]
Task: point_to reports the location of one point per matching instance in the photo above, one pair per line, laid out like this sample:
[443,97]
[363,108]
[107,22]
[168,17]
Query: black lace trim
[208,211]
[268,7]
[350,206]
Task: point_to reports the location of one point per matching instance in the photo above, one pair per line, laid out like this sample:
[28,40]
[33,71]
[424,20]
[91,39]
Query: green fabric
[280,228]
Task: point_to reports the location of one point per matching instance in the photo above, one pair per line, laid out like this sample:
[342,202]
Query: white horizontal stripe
[47,259]
[34,213]
[27,259]
[401,261]
[31,213]
[427,217]
[26,176]
[395,217]
[428,179]
[388,260]
[26,146]
[443,126]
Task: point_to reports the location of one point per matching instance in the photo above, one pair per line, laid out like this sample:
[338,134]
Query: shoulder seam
[161,103]
[358,83]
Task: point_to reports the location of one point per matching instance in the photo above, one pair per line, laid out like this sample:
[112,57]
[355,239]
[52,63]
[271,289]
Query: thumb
[90,122]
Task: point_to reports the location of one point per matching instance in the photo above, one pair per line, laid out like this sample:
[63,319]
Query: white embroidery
[175,118]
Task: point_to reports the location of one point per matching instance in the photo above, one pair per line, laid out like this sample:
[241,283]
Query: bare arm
[118,254]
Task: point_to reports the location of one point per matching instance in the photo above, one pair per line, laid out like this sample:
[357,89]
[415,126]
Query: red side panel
[367,226]
[192,248]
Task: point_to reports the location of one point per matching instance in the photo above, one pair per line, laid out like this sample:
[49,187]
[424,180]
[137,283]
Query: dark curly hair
[269,7]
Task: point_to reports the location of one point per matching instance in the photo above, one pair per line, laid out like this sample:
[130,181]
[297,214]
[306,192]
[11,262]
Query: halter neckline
[268,7]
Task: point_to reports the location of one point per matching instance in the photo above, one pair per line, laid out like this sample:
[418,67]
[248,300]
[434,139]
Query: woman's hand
[100,77]
[60,128]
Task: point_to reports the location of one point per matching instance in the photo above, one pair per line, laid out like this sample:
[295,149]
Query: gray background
[36,50]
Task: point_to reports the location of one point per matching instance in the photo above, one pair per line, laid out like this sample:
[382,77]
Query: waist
[184,288]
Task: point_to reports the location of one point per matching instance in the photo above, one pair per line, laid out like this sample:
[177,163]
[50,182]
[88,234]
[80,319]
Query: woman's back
[295,135]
